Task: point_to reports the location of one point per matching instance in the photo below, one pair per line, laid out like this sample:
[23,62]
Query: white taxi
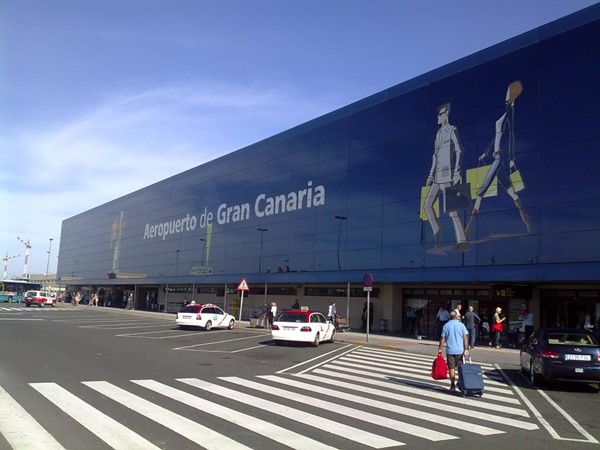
[302,325]
[39,298]
[207,316]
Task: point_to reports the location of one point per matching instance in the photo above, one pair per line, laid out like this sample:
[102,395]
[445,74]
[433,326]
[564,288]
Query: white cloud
[128,142]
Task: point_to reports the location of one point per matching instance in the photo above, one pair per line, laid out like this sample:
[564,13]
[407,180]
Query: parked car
[302,325]
[207,316]
[561,354]
[39,298]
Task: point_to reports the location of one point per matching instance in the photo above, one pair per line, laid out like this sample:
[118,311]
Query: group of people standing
[473,324]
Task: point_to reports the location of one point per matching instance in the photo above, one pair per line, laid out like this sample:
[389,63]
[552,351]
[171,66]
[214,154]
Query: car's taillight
[274,327]
[550,354]
[305,329]
[598,356]
[198,317]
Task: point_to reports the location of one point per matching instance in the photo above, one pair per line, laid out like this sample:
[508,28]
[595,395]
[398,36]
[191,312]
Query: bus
[12,291]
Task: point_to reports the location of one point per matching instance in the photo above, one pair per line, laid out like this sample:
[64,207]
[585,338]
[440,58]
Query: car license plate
[578,370]
[578,358]
[289,328]
[186,316]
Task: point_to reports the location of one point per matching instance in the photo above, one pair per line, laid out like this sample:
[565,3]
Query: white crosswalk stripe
[20,429]
[373,419]
[274,432]
[361,436]
[369,401]
[366,398]
[198,433]
[106,428]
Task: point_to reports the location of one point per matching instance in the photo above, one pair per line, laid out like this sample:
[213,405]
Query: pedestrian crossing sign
[243,286]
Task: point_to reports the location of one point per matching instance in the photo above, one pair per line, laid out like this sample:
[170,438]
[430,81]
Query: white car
[205,316]
[39,298]
[300,325]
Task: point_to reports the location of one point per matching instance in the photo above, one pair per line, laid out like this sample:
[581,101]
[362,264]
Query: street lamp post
[262,230]
[203,250]
[341,219]
[48,262]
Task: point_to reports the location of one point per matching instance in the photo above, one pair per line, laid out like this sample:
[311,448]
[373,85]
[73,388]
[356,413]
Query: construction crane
[6,259]
[27,247]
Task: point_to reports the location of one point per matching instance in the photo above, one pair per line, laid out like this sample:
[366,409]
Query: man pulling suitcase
[455,337]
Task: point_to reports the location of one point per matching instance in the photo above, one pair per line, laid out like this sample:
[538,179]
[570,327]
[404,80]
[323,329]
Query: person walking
[272,314]
[455,337]
[457,311]
[497,328]
[471,323]
[332,312]
[527,323]
[442,317]
[588,324]
[363,325]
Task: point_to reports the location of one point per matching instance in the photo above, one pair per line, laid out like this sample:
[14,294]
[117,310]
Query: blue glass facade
[347,193]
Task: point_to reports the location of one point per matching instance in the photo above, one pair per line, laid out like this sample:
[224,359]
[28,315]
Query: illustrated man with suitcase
[455,337]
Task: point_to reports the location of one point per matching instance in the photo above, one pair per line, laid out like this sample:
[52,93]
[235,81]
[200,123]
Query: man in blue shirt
[456,338]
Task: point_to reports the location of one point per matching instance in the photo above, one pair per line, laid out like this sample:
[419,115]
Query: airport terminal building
[474,184]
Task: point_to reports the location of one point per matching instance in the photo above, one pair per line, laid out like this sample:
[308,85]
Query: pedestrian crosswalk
[33,308]
[365,398]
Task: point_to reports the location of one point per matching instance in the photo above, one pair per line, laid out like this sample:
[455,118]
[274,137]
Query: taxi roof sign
[243,286]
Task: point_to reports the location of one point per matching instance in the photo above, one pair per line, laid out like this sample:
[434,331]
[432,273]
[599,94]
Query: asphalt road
[97,378]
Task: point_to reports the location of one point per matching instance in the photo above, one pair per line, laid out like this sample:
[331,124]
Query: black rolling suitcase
[470,378]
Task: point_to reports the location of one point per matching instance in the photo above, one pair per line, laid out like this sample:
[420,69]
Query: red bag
[439,368]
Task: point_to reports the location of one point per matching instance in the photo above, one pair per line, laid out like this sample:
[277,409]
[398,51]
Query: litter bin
[383,324]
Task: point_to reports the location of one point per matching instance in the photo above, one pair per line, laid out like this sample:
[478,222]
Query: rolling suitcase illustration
[470,378]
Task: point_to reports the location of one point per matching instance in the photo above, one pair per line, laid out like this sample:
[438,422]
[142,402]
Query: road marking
[122,326]
[315,358]
[427,381]
[25,319]
[269,430]
[109,430]
[185,427]
[403,356]
[143,334]
[192,347]
[418,388]
[543,421]
[322,423]
[20,429]
[422,368]
[588,436]
[332,407]
[440,406]
[369,401]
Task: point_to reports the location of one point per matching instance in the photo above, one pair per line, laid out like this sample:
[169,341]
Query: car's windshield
[298,318]
[189,309]
[572,339]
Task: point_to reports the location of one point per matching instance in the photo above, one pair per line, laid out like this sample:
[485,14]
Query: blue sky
[99,98]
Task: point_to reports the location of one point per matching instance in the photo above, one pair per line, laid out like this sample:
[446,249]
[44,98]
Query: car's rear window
[572,339]
[287,317]
[190,309]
